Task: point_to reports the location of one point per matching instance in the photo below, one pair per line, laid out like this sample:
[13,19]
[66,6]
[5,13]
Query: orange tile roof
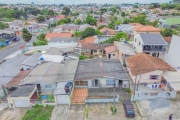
[146,29]
[51,35]
[168,39]
[88,40]
[79,95]
[144,63]
[111,49]
[17,79]
[135,24]
[109,30]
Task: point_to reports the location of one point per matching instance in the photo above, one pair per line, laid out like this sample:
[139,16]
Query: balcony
[147,48]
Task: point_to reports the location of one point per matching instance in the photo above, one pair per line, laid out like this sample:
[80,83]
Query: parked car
[129,109]
[68,87]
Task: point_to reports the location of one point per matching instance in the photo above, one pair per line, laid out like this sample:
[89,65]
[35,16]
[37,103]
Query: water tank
[41,58]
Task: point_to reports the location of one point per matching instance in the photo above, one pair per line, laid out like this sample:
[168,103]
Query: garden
[39,112]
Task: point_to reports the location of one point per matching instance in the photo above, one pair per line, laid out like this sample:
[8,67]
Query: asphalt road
[12,48]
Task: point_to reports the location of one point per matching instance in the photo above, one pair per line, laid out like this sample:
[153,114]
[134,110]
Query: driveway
[76,112]
[15,114]
[60,112]
[159,109]
[11,49]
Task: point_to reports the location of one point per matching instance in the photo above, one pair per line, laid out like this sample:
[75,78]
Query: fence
[102,99]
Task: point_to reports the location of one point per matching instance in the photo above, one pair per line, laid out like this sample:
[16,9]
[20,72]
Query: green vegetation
[78,22]
[82,57]
[90,20]
[2,25]
[26,35]
[41,40]
[38,112]
[66,11]
[86,111]
[168,32]
[88,32]
[113,110]
[102,26]
[40,19]
[128,90]
[111,40]
[63,21]
[123,14]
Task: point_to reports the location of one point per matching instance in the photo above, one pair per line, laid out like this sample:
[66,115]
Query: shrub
[82,57]
[128,90]
[113,110]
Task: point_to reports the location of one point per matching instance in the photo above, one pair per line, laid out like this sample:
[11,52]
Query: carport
[21,96]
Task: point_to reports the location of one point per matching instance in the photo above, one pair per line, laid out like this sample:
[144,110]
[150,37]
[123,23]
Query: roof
[54,35]
[23,91]
[109,31]
[46,72]
[60,16]
[146,29]
[135,24]
[99,68]
[10,68]
[17,79]
[53,51]
[111,49]
[88,40]
[143,63]
[52,58]
[6,32]
[172,21]
[95,46]
[70,27]
[32,60]
[63,40]
[152,39]
[167,39]
[125,48]
[60,89]
[69,70]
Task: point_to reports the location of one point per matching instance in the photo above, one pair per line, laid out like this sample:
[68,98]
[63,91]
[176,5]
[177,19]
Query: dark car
[68,87]
[129,109]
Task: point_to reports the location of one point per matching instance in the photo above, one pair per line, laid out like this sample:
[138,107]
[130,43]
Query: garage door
[21,103]
[63,99]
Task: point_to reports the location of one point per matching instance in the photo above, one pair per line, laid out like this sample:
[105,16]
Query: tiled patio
[79,95]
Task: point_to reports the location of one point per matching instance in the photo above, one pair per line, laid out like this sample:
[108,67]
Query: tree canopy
[63,21]
[90,20]
[66,11]
[2,25]
[40,19]
[51,13]
[168,32]
[88,32]
[78,22]
[123,14]
[26,35]
[41,40]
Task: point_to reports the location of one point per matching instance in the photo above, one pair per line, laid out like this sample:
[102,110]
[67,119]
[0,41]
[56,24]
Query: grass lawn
[39,112]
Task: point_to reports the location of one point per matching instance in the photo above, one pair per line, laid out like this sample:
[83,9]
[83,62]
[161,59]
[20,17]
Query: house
[60,17]
[111,52]
[169,22]
[70,28]
[10,67]
[172,57]
[146,29]
[8,37]
[31,62]
[57,35]
[63,40]
[67,75]
[168,41]
[146,73]
[102,38]
[91,39]
[124,50]
[84,26]
[108,31]
[21,97]
[152,44]
[94,49]
[99,75]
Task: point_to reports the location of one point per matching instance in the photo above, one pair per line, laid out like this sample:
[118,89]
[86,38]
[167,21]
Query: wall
[112,57]
[47,90]
[145,78]
[138,48]
[143,96]
[102,100]
[99,52]
[55,103]
[1,93]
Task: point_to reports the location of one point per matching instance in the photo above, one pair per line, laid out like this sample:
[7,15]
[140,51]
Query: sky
[81,1]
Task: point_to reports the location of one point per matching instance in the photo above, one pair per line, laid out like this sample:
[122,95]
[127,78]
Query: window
[113,54]
[81,83]
[110,82]
[154,77]
[134,47]
[135,39]
[153,94]
[48,86]
[139,43]
[95,50]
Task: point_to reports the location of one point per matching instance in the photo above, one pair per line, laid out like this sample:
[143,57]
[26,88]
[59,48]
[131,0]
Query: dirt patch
[60,112]
[76,112]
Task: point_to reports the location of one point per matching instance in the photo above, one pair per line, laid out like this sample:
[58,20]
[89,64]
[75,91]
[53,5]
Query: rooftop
[111,49]
[88,40]
[63,40]
[95,46]
[144,63]
[124,48]
[146,29]
[52,58]
[55,35]
[152,39]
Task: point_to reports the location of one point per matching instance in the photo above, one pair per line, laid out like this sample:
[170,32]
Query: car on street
[129,109]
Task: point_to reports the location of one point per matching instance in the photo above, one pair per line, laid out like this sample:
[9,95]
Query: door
[63,99]
[96,82]
[109,56]
[21,103]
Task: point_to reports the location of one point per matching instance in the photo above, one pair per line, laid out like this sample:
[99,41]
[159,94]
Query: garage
[63,99]
[21,103]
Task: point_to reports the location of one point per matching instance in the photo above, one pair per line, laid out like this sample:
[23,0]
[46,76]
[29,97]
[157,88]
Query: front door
[109,56]
[96,82]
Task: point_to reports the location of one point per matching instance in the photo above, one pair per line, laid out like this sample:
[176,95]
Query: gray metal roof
[152,39]
[63,40]
[23,91]
[98,68]
[11,68]
[32,60]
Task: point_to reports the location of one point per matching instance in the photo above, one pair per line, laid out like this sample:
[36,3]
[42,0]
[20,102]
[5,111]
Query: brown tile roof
[95,46]
[109,30]
[146,29]
[135,24]
[51,35]
[88,40]
[79,95]
[111,49]
[17,79]
[143,63]
[168,39]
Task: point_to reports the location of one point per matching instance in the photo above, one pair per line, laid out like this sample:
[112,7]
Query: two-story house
[152,44]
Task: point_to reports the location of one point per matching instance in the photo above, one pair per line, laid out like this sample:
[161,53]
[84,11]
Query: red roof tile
[111,49]
[146,29]
[168,39]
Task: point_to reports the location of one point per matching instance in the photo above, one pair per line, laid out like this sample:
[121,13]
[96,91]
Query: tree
[66,11]
[123,14]
[103,10]
[168,32]
[121,35]
[126,21]
[88,32]
[41,40]
[102,26]
[51,13]
[98,32]
[176,1]
[26,35]
[2,25]
[111,40]
[78,22]
[77,33]
[139,19]
[90,20]
[118,22]
[63,21]
[40,19]
[111,25]
[135,6]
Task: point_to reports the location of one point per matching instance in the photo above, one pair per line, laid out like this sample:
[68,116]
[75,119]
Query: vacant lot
[162,110]
[39,112]
[60,112]
[76,112]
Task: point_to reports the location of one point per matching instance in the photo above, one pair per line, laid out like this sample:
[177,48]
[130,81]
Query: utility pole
[114,94]
[135,84]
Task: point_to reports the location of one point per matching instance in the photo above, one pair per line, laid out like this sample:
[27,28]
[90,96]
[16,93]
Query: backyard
[39,112]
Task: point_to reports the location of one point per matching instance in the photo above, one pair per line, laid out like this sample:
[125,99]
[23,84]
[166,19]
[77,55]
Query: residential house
[63,40]
[168,41]
[95,78]
[57,35]
[169,22]
[102,38]
[152,44]
[84,26]
[108,31]
[31,62]
[9,36]
[111,52]
[124,50]
[9,69]
[146,73]
[91,39]
[146,29]
[60,17]
[70,28]
[172,57]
